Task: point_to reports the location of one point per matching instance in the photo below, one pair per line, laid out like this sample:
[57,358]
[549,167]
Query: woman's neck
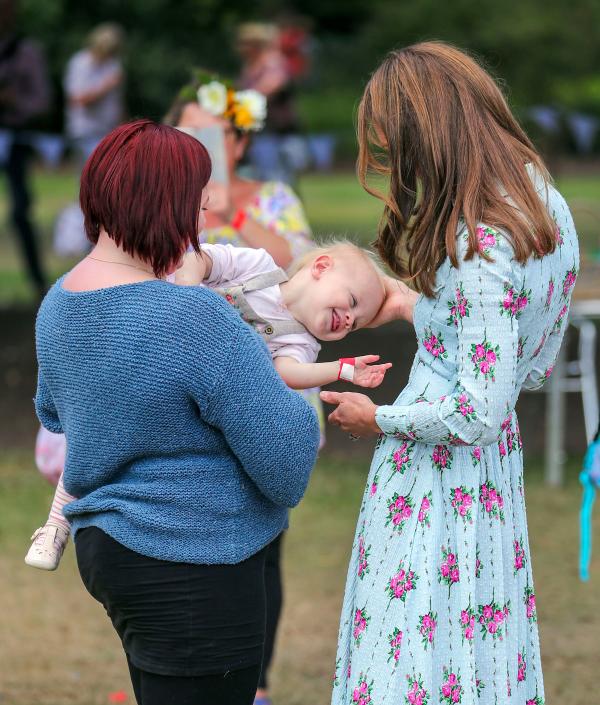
[107,251]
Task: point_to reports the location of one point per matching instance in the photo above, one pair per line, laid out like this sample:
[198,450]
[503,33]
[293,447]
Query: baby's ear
[320,265]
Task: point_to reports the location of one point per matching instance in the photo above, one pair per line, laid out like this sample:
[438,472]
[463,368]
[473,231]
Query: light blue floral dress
[440,604]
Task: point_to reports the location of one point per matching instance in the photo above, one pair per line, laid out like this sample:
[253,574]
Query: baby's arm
[304,375]
[195,269]
[223,265]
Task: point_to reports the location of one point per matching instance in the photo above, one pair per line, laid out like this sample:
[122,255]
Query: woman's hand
[398,303]
[355,413]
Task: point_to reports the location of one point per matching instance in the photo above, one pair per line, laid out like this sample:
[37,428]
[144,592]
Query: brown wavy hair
[436,125]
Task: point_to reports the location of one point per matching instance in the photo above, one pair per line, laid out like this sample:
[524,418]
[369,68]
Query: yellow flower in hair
[242,118]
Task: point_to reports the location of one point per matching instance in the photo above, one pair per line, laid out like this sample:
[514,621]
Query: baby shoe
[49,542]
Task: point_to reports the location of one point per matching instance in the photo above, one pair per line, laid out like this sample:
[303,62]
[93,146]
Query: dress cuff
[394,421]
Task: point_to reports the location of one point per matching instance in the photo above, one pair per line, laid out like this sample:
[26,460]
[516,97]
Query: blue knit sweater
[183,442]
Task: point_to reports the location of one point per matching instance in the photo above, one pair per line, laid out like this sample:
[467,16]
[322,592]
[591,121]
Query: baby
[330,292]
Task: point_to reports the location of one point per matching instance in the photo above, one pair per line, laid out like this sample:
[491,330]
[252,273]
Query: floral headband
[246,110]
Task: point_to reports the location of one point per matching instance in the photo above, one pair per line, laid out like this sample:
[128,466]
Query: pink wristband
[346,371]
[238,220]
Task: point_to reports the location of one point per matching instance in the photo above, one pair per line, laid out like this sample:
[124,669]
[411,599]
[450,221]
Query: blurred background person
[24,95]
[93,84]
[260,214]
[279,152]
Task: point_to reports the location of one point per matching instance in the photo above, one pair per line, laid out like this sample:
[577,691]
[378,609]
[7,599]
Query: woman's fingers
[332,397]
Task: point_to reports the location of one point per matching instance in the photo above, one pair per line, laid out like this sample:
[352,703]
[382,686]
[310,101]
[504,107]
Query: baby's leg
[50,540]
[61,497]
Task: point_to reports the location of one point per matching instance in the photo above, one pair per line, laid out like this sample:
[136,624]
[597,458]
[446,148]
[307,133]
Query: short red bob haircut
[143,184]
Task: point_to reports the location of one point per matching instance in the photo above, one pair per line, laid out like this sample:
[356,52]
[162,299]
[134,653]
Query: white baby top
[233,266]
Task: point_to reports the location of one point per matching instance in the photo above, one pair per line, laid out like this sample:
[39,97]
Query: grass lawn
[335,204]
[58,648]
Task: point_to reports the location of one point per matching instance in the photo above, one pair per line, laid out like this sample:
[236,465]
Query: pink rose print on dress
[374,485]
[479,685]
[454,439]
[484,356]
[451,691]
[459,308]
[478,564]
[410,434]
[434,344]
[464,405]
[401,459]
[519,555]
[462,500]
[514,303]
[476,456]
[492,619]
[442,458]
[363,556]
[560,318]
[502,449]
[361,622]
[511,440]
[535,701]
[491,501]
[530,609]
[361,695]
[427,626]
[521,347]
[401,584]
[336,679]
[569,282]
[400,509]
[416,695]
[449,573]
[395,642]
[521,666]
[560,233]
[425,510]
[549,293]
[487,238]
[467,624]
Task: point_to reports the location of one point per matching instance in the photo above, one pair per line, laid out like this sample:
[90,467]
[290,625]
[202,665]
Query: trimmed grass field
[58,648]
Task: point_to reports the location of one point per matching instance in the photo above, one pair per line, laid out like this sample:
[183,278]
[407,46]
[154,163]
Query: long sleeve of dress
[487,356]
[260,420]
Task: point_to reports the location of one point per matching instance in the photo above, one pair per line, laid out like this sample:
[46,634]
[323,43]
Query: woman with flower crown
[257,214]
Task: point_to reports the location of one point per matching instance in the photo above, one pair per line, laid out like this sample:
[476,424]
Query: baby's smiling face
[344,293]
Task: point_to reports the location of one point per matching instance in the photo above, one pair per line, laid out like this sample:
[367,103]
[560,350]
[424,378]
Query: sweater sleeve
[486,359]
[270,428]
[45,408]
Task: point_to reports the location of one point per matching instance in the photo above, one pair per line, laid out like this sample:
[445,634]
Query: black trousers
[193,634]
[16,172]
[274,601]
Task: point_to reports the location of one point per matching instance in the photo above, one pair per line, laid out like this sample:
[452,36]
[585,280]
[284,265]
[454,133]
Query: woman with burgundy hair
[182,470]
[440,602]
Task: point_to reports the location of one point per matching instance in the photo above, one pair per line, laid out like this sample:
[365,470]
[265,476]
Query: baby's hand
[366,374]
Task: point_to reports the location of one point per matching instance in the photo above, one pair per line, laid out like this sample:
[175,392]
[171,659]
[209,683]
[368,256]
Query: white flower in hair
[255,103]
[213,97]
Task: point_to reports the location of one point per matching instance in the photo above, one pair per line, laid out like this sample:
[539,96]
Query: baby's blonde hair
[341,246]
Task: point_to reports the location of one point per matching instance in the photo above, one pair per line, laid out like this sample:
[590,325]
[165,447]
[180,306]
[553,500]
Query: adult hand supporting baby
[398,304]
[355,413]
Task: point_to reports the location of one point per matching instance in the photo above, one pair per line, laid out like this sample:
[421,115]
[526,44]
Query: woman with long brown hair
[440,604]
